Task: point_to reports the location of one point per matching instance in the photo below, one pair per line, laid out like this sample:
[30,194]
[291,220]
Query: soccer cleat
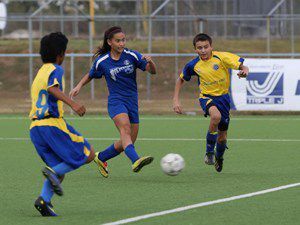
[45,208]
[54,180]
[102,166]
[209,158]
[141,162]
[219,164]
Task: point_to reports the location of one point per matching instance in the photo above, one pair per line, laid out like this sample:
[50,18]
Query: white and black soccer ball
[171,164]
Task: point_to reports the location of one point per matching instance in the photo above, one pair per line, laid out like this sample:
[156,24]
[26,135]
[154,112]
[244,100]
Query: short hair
[202,37]
[53,45]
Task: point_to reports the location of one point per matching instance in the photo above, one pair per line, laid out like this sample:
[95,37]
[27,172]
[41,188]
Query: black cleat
[45,208]
[219,164]
[209,158]
[54,180]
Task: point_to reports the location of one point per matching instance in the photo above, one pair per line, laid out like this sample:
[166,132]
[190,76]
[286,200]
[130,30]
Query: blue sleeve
[187,72]
[55,78]
[140,63]
[96,71]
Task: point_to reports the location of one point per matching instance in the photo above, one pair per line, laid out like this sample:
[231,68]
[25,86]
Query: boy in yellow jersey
[59,145]
[211,68]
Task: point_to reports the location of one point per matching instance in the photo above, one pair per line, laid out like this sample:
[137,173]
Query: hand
[243,72]
[147,58]
[74,92]
[177,107]
[78,108]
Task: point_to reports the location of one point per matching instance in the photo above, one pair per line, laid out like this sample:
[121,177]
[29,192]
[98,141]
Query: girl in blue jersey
[118,65]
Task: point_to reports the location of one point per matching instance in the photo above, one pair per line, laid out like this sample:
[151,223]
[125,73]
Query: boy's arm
[176,104]
[58,94]
[86,79]
[244,71]
[235,62]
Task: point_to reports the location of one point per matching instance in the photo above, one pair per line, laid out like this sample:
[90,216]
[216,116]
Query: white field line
[202,204]
[166,139]
[170,118]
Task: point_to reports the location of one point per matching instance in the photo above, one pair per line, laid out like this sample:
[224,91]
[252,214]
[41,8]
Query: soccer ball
[171,164]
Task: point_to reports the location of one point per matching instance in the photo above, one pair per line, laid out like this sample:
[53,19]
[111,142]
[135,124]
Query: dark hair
[108,34]
[53,45]
[202,37]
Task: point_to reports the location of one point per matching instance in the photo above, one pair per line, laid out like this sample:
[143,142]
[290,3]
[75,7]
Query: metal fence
[152,19]
[145,20]
[77,64]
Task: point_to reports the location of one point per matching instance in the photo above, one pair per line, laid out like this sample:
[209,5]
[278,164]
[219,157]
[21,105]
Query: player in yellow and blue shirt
[118,66]
[60,146]
[212,70]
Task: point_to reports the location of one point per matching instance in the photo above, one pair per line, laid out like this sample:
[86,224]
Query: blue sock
[108,153]
[211,139]
[62,168]
[131,153]
[221,147]
[47,191]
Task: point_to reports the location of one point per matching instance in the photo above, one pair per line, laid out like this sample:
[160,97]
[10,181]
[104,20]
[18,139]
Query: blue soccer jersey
[120,74]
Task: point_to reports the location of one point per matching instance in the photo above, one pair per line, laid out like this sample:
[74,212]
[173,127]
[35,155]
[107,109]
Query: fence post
[149,50]
[292,28]
[268,35]
[30,52]
[61,11]
[176,37]
[91,51]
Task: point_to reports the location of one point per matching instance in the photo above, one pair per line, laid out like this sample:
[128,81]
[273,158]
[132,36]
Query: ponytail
[108,34]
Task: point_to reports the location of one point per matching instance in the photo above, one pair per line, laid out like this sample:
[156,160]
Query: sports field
[264,153]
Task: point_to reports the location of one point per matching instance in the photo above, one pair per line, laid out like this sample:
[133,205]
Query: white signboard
[272,84]
[3,15]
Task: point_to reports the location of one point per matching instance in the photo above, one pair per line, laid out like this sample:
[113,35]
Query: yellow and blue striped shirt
[44,104]
[213,74]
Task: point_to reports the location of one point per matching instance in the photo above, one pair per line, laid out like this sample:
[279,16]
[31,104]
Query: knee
[222,139]
[91,156]
[125,129]
[216,118]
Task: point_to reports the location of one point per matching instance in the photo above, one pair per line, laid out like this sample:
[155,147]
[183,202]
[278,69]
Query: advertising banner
[272,84]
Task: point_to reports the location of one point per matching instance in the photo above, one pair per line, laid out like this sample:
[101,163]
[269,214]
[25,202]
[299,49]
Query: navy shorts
[129,106]
[56,142]
[222,103]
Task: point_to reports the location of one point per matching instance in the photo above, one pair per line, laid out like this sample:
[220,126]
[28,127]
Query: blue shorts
[129,106]
[56,142]
[222,103]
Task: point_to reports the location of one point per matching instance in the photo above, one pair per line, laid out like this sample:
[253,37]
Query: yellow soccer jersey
[44,104]
[213,74]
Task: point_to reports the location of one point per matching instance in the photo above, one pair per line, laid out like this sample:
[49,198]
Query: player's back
[43,104]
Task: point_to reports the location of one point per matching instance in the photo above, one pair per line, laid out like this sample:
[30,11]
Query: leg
[211,136]
[91,155]
[43,203]
[121,113]
[73,150]
[123,124]
[215,118]
[221,143]
[224,107]
[221,146]
[134,134]
[113,151]
[62,151]
[128,136]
